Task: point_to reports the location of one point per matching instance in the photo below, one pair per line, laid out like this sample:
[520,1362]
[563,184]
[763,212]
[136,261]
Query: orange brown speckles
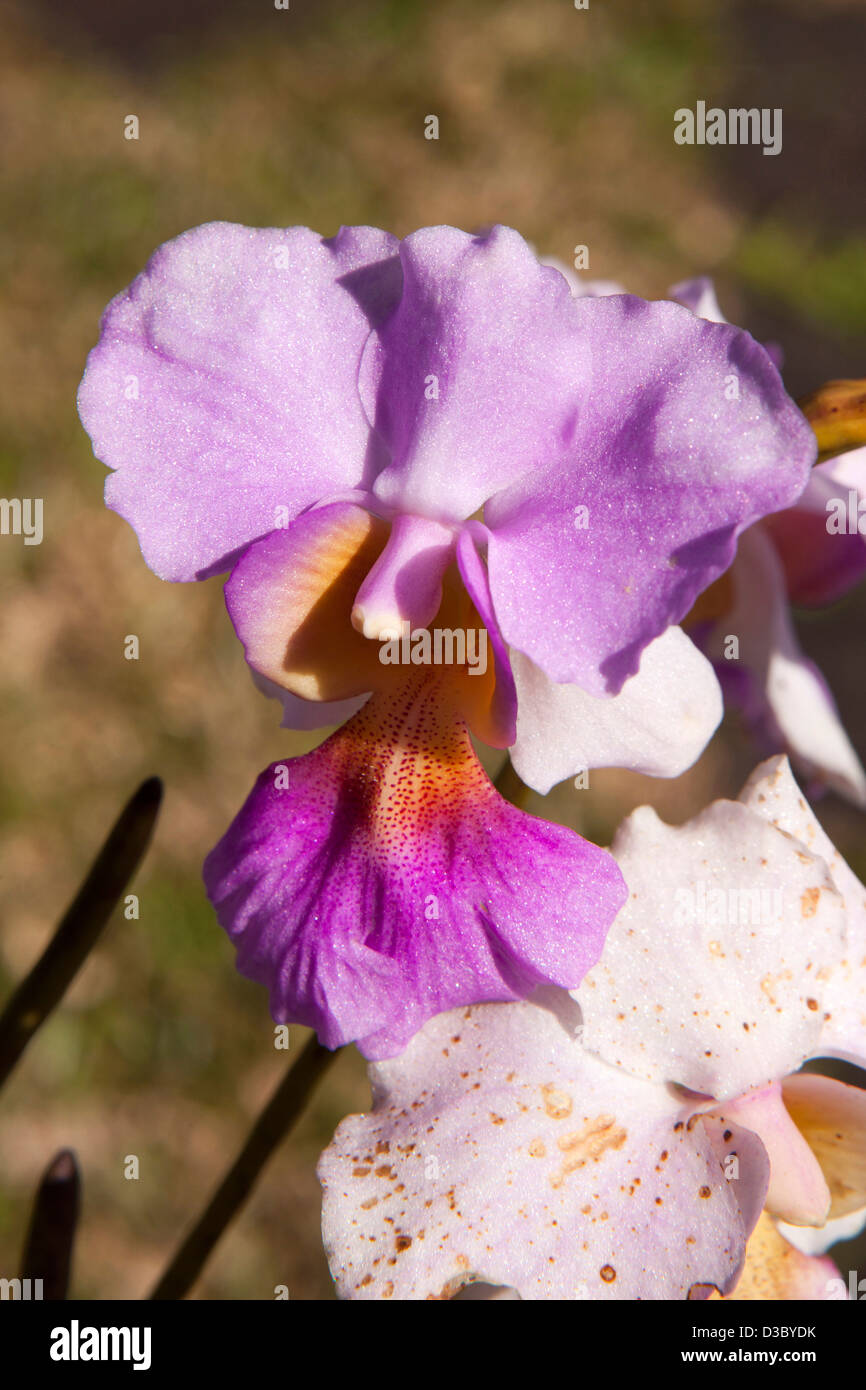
[370,1203]
[385,1171]
[812,1004]
[607,1273]
[809,902]
[705,1192]
[401,1243]
[587,1145]
[496,1119]
[383,1147]
[388,1290]
[558,1104]
[537,1149]
[360,1172]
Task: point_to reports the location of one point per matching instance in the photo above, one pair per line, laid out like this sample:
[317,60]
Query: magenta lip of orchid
[310,412]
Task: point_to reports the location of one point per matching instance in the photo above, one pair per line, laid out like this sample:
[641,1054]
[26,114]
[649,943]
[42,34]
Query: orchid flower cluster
[459,500]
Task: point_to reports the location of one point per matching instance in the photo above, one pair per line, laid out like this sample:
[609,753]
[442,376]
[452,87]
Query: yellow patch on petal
[473,692]
[775,1270]
[837,414]
[304,639]
[300,633]
[832,1119]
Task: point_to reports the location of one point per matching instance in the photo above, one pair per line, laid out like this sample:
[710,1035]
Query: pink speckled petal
[755,926]
[659,723]
[609,542]
[772,792]
[224,385]
[381,879]
[499,1151]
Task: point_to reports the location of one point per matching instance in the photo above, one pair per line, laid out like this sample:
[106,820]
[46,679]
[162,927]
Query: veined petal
[755,925]
[596,552]
[381,879]
[477,375]
[772,792]
[224,385]
[499,1151]
[659,723]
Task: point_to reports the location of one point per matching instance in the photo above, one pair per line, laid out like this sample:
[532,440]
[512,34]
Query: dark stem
[80,928]
[48,1248]
[281,1111]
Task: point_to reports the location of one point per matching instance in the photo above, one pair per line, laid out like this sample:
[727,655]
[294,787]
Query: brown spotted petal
[773,793]
[498,1151]
[715,974]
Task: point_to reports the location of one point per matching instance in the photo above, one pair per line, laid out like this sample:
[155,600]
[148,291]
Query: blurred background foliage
[557,121]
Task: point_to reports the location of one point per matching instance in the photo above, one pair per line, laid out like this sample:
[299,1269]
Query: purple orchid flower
[627,1142]
[798,556]
[378,437]
[795,557]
